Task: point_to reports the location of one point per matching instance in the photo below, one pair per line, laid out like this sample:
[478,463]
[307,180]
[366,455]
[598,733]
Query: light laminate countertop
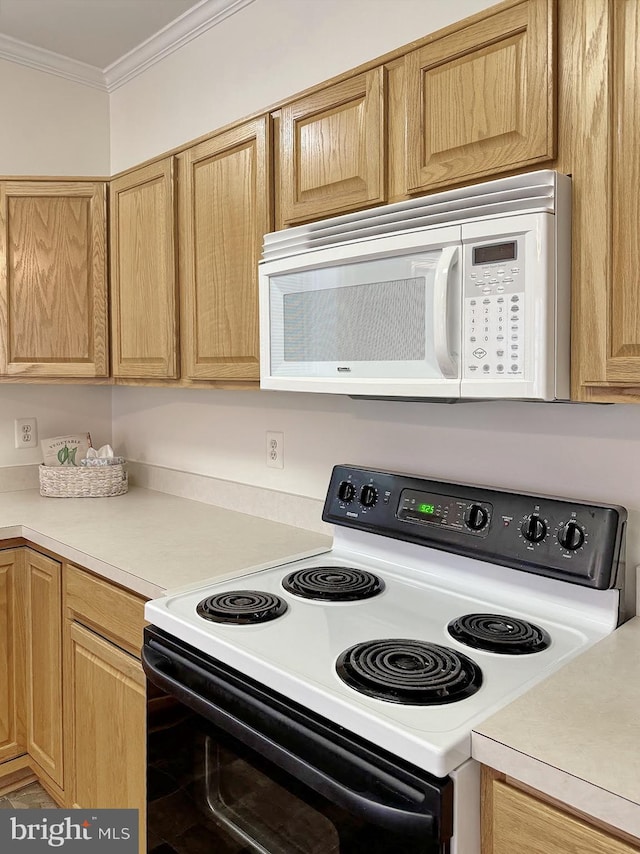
[151,542]
[576,736]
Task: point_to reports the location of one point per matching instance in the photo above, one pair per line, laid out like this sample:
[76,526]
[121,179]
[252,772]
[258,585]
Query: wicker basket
[83,482]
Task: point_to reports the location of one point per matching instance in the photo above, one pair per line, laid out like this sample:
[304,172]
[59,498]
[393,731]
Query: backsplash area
[58,409]
[269,504]
[580,451]
[13,478]
[587,452]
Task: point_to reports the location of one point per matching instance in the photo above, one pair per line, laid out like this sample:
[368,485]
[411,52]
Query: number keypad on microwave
[494,335]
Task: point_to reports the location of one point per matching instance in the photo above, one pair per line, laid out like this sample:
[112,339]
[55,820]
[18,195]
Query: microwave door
[387,326]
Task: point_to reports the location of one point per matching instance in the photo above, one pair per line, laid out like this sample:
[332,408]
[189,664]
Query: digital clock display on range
[427,509]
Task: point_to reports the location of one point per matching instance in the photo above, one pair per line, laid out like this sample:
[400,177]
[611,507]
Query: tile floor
[32,796]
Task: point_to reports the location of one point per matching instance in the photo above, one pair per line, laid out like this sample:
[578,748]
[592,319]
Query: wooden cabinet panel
[106,724]
[143,277]
[224,211]
[53,286]
[44,662]
[623,364]
[112,612]
[602,73]
[515,821]
[481,100]
[332,149]
[583,151]
[12,737]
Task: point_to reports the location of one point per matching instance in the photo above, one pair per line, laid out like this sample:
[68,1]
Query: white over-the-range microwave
[461,294]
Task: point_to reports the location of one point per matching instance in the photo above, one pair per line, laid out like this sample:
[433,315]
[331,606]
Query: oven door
[233,767]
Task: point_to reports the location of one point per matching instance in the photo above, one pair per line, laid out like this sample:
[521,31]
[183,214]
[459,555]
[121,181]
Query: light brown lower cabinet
[107,708]
[104,696]
[43,610]
[72,688]
[514,820]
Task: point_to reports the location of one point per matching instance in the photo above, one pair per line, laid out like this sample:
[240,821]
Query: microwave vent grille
[531,192]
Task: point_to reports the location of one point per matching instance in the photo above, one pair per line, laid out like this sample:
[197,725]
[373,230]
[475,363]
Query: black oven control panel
[433,508]
[546,535]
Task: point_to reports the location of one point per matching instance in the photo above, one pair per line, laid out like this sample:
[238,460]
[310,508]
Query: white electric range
[438,604]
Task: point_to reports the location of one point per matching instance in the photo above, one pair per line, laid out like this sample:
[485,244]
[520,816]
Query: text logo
[70,831]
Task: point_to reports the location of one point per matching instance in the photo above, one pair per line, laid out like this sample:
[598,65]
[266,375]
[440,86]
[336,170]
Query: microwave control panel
[493,334]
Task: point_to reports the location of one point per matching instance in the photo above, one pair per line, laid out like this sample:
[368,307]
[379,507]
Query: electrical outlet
[26,432]
[275,450]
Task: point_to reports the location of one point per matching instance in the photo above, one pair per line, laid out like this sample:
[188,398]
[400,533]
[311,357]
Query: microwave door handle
[446,262]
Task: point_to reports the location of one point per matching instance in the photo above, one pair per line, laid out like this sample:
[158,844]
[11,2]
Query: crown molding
[194,22]
[190,25]
[14,50]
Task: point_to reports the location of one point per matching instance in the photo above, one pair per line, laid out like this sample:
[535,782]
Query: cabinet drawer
[110,611]
[524,824]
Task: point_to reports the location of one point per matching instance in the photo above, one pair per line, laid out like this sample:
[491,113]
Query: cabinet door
[481,100]
[53,286]
[224,212]
[332,150]
[143,278]
[106,716]
[623,297]
[514,821]
[44,662]
[12,740]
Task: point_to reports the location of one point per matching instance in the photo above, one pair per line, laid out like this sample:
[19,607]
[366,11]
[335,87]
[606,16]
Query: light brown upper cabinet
[53,283]
[224,212]
[332,149]
[602,126]
[481,100]
[623,357]
[144,316]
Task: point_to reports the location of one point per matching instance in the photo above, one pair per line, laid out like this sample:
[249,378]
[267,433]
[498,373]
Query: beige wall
[58,409]
[51,126]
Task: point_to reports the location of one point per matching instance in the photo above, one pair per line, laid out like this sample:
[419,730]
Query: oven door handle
[395,805]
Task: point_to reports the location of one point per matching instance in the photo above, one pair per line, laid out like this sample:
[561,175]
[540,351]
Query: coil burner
[497,633]
[333,584]
[409,672]
[241,607]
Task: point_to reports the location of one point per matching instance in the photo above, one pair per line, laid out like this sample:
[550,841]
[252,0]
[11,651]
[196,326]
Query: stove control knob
[368,496]
[571,536]
[346,491]
[476,517]
[534,528]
